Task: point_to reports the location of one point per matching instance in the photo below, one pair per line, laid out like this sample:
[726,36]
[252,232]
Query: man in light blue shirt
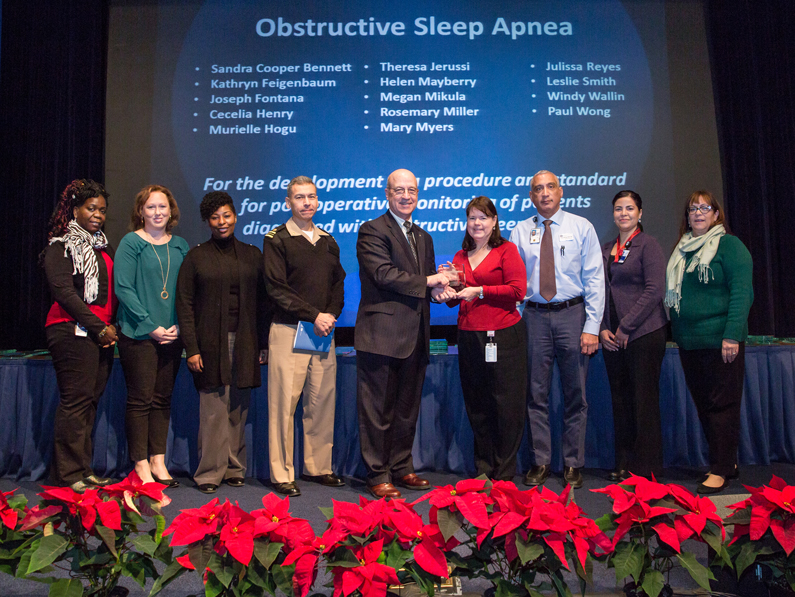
[562,311]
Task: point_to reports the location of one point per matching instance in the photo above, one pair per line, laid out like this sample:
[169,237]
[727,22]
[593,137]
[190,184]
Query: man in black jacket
[304,278]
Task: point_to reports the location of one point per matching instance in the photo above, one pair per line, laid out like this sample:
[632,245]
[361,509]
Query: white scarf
[706,246]
[80,244]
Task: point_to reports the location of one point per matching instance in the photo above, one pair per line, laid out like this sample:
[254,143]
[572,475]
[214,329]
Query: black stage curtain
[52,113]
[53,64]
[752,52]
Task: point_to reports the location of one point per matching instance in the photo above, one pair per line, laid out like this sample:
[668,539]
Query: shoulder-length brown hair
[136,217]
[484,205]
[706,196]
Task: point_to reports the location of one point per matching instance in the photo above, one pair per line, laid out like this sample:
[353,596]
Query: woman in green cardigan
[709,292]
[150,348]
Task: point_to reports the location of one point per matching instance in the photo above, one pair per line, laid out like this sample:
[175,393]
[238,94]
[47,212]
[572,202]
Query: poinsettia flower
[623,500]
[8,515]
[467,497]
[668,535]
[305,558]
[646,490]
[185,562]
[370,578]
[640,513]
[427,540]
[38,515]
[699,511]
[359,520]
[784,498]
[87,506]
[132,488]
[194,524]
[275,514]
[237,534]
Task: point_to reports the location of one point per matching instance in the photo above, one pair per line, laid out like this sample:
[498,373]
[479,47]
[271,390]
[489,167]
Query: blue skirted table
[29,396]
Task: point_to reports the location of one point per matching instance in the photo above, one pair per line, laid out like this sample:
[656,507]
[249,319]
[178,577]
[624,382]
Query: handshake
[447,277]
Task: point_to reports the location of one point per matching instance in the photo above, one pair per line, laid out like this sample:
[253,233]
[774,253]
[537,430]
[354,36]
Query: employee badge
[535,236]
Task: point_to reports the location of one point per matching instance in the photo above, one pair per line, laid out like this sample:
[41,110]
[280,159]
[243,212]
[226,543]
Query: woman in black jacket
[220,292]
[80,335]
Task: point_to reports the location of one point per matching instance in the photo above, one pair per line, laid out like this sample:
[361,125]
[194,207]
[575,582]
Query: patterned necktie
[546,279]
[412,242]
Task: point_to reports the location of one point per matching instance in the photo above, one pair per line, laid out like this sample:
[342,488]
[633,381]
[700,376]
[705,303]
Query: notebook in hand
[307,339]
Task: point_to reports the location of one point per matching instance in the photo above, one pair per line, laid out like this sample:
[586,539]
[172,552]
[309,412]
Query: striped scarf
[80,246]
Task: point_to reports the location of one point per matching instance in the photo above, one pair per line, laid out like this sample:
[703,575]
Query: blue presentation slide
[474,98]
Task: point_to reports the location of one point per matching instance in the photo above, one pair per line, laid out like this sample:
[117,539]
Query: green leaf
[628,560]
[145,544]
[199,553]
[224,568]
[135,570]
[266,552]
[605,523]
[213,587]
[711,534]
[108,537]
[700,574]
[448,523]
[172,571]
[653,583]
[561,588]
[257,575]
[745,558]
[48,551]
[283,575]
[66,588]
[328,511]
[24,560]
[160,526]
[528,551]
[396,556]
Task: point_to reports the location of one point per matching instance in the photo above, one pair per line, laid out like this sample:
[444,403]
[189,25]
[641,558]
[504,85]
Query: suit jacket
[637,287]
[203,314]
[395,295]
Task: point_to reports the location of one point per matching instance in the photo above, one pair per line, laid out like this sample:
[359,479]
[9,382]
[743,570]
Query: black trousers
[495,397]
[150,369]
[388,398]
[717,390]
[634,374]
[82,368]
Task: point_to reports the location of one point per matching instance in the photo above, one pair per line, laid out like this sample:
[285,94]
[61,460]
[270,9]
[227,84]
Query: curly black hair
[74,195]
[212,201]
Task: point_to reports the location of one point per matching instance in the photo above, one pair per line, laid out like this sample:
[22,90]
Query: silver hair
[543,172]
[299,180]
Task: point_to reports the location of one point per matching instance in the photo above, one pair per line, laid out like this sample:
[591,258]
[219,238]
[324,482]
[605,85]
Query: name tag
[624,255]
[566,237]
[535,236]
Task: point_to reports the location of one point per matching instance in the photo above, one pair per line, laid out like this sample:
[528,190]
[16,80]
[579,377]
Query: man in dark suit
[398,278]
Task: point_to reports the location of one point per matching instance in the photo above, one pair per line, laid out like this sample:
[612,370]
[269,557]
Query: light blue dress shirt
[578,262]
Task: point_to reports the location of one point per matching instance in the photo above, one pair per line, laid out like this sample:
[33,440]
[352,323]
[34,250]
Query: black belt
[556,306]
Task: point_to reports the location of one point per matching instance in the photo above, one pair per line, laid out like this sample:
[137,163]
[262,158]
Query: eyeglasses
[703,208]
[412,192]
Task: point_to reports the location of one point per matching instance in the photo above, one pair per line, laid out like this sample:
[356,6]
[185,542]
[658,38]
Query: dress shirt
[578,263]
[400,221]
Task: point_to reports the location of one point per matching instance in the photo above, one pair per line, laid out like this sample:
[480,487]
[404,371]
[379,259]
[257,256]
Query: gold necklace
[164,294]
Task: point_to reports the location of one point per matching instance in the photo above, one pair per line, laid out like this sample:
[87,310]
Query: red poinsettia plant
[373,544]
[521,541]
[242,553]
[650,521]
[95,536]
[764,531]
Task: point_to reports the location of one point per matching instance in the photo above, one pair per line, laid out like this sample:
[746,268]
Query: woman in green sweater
[709,292]
[150,349]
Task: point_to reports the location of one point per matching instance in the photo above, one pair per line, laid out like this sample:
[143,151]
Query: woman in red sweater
[492,341]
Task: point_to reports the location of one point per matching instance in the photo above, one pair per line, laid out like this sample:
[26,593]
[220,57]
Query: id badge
[535,236]
[491,349]
[624,255]
[80,331]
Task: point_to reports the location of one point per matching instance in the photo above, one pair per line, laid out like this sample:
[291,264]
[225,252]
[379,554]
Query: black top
[203,291]
[303,279]
[67,288]
[229,264]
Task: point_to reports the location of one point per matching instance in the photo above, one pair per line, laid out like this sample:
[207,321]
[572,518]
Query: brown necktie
[546,278]
[412,242]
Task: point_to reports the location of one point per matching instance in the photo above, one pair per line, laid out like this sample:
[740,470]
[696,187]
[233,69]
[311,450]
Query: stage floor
[313,496]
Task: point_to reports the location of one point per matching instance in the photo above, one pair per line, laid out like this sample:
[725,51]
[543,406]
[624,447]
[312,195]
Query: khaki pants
[292,374]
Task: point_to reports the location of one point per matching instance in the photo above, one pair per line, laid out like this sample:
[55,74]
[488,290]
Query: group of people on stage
[548,293]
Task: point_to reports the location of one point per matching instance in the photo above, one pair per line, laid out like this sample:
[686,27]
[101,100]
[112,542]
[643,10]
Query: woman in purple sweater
[633,338]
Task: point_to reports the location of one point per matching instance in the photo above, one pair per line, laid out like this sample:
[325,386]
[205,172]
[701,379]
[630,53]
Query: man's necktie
[546,279]
[412,242]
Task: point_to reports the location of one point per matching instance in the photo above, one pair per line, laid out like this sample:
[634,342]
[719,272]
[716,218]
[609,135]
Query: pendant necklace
[164,294]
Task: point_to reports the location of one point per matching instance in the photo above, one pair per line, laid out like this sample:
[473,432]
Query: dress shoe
[384,490]
[412,481]
[96,480]
[618,475]
[572,476]
[707,490]
[79,486]
[166,482]
[537,475]
[735,474]
[207,487]
[330,480]
[289,489]
[235,481]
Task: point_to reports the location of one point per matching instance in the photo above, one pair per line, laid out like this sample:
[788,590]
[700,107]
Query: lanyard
[620,248]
